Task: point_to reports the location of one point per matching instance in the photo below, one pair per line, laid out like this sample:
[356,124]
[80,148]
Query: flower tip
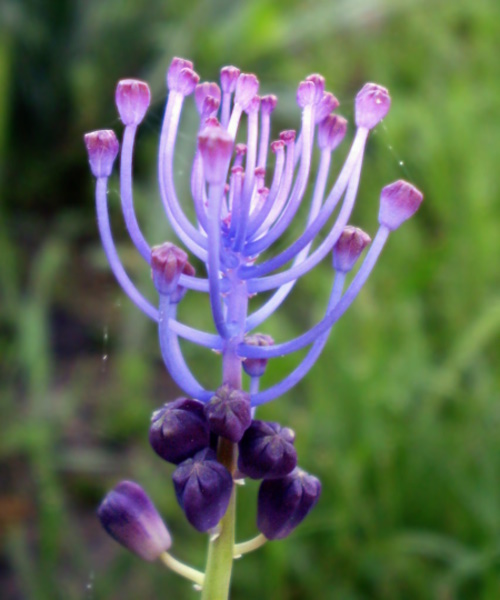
[174,70]
[349,246]
[325,106]
[228,413]
[306,93]
[132,99]
[319,85]
[398,202]
[247,86]
[255,367]
[331,132]
[130,517]
[102,148]
[216,146]
[168,263]
[371,106]
[207,98]
[228,78]
[268,104]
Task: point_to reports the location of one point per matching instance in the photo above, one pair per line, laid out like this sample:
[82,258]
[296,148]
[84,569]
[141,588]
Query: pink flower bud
[102,147]
[372,104]
[398,202]
[349,246]
[132,99]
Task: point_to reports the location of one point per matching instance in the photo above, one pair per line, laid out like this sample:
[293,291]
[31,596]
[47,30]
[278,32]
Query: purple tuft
[349,246]
[203,488]
[132,98]
[398,202]
[129,516]
[179,430]
[372,104]
[228,413]
[102,148]
[284,503]
[266,451]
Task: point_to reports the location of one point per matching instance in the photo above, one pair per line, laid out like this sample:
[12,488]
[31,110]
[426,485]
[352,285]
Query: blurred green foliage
[400,418]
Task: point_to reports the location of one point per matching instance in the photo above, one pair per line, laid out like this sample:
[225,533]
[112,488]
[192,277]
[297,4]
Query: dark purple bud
[206,90]
[372,104]
[325,106]
[228,78]
[266,451]
[349,246]
[255,367]
[331,132]
[268,104]
[216,147]
[306,93]
[129,516]
[102,147]
[247,87]
[398,202]
[132,99]
[284,503]
[174,70]
[319,85]
[203,488]
[168,263]
[179,430]
[228,413]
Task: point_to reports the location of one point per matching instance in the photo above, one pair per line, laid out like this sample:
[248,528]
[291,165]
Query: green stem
[220,549]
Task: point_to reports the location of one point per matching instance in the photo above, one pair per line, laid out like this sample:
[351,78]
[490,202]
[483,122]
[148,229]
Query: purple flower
[203,488]
[179,430]
[129,516]
[285,503]
[266,451]
[228,413]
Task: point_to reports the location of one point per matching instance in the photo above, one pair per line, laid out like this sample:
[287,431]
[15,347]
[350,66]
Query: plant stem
[220,549]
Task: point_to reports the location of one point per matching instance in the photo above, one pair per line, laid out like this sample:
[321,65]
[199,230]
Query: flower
[130,517]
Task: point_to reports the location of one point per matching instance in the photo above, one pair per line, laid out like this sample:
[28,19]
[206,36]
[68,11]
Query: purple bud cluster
[245,195]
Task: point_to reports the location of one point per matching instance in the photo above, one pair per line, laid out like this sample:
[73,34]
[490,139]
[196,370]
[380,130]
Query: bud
[179,430]
[203,488]
[206,90]
[398,202]
[284,503]
[349,246]
[372,104]
[102,147]
[255,367]
[174,70]
[331,132]
[319,85]
[247,87]
[132,99]
[129,516]
[306,93]
[216,147]
[168,263]
[266,451]
[228,413]
[325,106]
[228,79]
[268,104]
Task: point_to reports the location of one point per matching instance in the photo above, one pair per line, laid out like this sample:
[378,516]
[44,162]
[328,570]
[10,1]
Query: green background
[400,417]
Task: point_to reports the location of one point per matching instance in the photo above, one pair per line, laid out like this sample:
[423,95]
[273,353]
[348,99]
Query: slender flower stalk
[242,206]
